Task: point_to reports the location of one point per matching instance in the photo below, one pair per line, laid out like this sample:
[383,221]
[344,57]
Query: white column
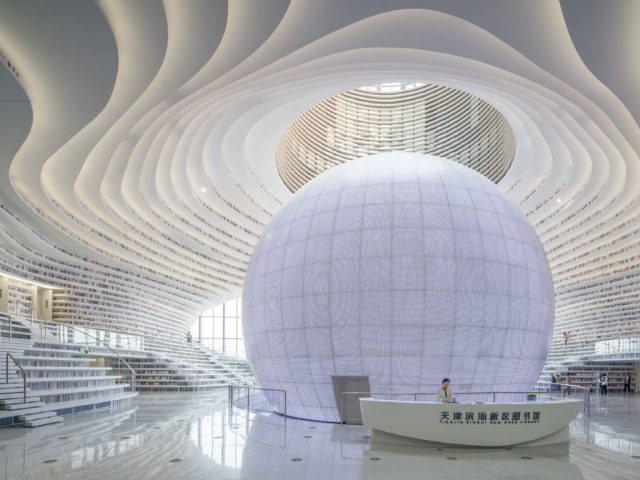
[4,294]
[35,300]
[46,304]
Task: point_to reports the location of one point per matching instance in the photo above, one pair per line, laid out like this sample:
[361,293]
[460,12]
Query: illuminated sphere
[402,267]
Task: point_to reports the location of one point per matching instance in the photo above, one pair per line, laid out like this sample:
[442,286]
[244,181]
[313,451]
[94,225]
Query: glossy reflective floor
[178,436]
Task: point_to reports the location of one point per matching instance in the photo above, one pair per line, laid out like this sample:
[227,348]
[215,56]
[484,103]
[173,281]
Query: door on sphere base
[348,390]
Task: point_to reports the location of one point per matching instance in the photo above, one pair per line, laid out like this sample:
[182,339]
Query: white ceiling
[147,144]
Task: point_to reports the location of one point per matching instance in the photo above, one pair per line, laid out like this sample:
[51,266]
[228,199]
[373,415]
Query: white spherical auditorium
[405,268]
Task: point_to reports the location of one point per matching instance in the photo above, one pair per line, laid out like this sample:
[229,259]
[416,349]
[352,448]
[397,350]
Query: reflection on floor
[188,436]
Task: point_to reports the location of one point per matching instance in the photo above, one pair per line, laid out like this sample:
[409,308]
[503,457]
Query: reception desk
[473,424]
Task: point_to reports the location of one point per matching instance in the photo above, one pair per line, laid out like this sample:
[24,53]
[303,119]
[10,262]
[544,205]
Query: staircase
[202,364]
[585,371]
[64,376]
[170,365]
[60,378]
[158,373]
[14,407]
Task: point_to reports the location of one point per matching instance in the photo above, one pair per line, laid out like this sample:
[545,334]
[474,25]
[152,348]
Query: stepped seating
[15,337]
[584,372]
[65,373]
[11,329]
[230,369]
[51,343]
[169,366]
[165,365]
[72,379]
[241,368]
[60,380]
[159,373]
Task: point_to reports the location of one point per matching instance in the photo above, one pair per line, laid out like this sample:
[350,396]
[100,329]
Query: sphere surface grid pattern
[405,268]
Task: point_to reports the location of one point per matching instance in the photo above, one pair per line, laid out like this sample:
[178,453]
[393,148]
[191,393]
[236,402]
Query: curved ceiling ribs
[148,171]
[432,119]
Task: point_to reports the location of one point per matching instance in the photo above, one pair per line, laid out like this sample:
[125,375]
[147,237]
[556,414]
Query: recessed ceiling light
[203,189]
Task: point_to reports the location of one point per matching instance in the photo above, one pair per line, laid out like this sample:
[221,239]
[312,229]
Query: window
[219,329]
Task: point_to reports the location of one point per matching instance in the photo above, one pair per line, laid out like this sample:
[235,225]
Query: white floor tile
[196,437]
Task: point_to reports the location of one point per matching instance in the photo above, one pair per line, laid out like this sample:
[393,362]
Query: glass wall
[220,329]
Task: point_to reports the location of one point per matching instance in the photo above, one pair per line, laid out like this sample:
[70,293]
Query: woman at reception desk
[445,394]
[475,419]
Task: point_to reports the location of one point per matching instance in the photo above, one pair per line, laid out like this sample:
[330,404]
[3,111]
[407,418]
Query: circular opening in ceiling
[391,87]
[396,116]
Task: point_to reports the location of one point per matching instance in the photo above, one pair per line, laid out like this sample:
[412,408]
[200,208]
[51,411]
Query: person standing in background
[627,383]
[604,384]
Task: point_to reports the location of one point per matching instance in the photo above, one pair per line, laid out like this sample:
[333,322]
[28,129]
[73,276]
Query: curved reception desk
[472,424]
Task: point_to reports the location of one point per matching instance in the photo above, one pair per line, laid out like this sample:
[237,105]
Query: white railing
[82,335]
[621,357]
[24,374]
[618,346]
[256,399]
[178,355]
[70,334]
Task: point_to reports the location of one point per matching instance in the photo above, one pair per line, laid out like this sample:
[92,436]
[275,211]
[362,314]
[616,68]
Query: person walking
[627,383]
[604,384]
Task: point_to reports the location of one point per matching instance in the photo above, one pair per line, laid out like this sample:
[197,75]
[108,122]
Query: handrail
[566,387]
[249,388]
[133,372]
[143,339]
[24,374]
[45,323]
[137,337]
